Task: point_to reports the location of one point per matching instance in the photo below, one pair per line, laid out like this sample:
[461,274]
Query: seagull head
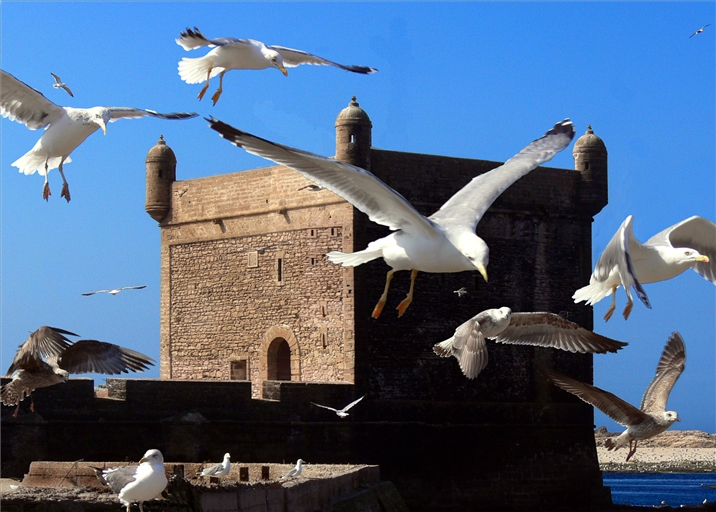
[691,256]
[276,60]
[671,416]
[475,249]
[100,116]
[152,457]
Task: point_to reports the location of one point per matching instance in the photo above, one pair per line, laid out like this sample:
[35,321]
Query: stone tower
[590,159]
[161,164]
[353,135]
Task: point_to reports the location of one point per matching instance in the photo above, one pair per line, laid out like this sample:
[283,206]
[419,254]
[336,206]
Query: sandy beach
[651,459]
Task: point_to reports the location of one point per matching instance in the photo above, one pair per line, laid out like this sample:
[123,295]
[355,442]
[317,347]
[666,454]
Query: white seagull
[63,358]
[115,291]
[59,84]
[627,262]
[341,413]
[65,127]
[468,345]
[699,30]
[462,291]
[651,418]
[220,469]
[229,53]
[136,483]
[445,241]
[295,471]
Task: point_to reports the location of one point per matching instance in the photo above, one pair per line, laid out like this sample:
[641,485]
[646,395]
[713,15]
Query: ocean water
[646,489]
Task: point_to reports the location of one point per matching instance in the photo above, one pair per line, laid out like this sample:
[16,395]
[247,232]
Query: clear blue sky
[475,80]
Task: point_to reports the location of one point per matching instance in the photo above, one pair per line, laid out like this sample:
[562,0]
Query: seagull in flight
[229,53]
[341,413]
[115,291]
[461,292]
[699,30]
[312,188]
[48,357]
[59,84]
[540,329]
[651,418]
[295,471]
[627,262]
[445,241]
[65,127]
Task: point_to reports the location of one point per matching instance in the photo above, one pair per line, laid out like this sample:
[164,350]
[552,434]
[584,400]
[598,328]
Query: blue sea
[646,489]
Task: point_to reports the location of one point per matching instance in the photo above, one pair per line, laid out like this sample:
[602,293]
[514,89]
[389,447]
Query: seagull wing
[551,330]
[671,364]
[68,90]
[212,470]
[91,356]
[98,291]
[359,187]
[697,233]
[20,102]
[193,39]
[325,407]
[617,409]
[44,342]
[58,80]
[132,113]
[468,346]
[133,287]
[118,478]
[293,58]
[468,205]
[619,252]
[353,403]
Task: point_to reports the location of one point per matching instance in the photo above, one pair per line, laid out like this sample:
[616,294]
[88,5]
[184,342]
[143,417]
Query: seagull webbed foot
[203,91]
[627,309]
[65,192]
[46,192]
[216,96]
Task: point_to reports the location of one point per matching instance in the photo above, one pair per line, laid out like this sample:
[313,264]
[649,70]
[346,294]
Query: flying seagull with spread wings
[65,127]
[699,30]
[627,262]
[445,241]
[651,418]
[341,413]
[115,291]
[136,483]
[468,345]
[59,84]
[229,53]
[32,371]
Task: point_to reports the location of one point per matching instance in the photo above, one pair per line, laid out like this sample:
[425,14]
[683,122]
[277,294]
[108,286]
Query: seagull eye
[687,253]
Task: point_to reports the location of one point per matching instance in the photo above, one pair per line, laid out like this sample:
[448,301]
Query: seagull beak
[142,460]
[283,70]
[104,128]
[703,258]
[482,270]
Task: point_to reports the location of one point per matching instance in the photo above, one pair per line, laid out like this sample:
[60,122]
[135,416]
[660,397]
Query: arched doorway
[278,361]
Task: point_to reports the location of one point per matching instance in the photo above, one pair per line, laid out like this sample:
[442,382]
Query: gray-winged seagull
[65,127]
[295,471]
[220,469]
[445,241]
[651,418]
[627,262]
[115,291]
[341,413]
[59,84]
[468,345]
[229,53]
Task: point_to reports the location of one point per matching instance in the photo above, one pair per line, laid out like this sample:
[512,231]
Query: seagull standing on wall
[220,469]
[295,471]
[65,127]
[229,53]
[445,241]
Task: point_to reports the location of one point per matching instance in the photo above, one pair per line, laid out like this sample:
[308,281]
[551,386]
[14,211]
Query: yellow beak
[283,70]
[703,258]
[482,270]
[104,129]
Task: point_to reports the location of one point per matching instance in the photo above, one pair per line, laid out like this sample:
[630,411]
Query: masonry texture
[248,295]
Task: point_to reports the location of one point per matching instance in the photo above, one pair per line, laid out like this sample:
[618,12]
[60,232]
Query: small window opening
[239,370]
[587,165]
[352,138]
[312,233]
[324,310]
[279,269]
[324,339]
[161,173]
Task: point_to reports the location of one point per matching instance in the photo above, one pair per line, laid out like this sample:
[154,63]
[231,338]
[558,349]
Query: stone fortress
[256,323]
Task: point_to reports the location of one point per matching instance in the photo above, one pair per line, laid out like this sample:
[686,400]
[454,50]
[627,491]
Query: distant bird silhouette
[220,469]
[699,30]
[115,291]
[341,413]
[59,84]
[461,292]
[651,418]
[63,358]
[295,471]
[312,187]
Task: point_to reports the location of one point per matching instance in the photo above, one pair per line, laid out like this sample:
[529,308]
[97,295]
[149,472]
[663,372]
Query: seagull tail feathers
[193,71]
[444,348]
[592,293]
[353,259]
[34,160]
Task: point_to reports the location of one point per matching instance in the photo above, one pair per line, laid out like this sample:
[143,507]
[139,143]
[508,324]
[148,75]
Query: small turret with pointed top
[590,159]
[353,135]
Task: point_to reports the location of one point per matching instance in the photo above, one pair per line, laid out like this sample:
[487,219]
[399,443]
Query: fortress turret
[590,158]
[161,173]
[353,135]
